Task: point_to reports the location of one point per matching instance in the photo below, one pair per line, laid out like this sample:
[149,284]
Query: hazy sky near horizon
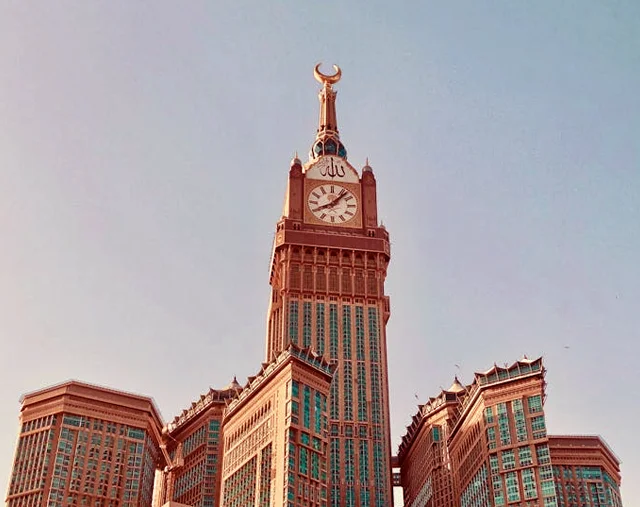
[144,150]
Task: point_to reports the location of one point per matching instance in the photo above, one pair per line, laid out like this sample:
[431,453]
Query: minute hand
[332,203]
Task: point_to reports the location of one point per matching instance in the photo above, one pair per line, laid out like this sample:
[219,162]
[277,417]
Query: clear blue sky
[144,150]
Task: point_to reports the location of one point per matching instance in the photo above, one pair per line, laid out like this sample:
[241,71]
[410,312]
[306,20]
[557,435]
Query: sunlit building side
[81,444]
[586,471]
[275,435]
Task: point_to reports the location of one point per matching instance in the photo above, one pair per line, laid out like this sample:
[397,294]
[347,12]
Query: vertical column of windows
[293,322]
[379,476]
[333,331]
[535,403]
[349,472]
[529,484]
[376,405]
[347,391]
[265,476]
[334,397]
[524,456]
[488,415]
[346,332]
[362,392]
[520,420]
[360,349]
[513,488]
[32,457]
[374,350]
[496,481]
[304,460]
[542,454]
[503,424]
[317,412]
[240,488]
[320,328]
[546,480]
[508,460]
[335,472]
[538,427]
[491,437]
[363,463]
[476,494]
[306,407]
[306,324]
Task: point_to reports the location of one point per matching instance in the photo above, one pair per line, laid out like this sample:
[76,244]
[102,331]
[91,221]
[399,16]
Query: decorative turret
[327,138]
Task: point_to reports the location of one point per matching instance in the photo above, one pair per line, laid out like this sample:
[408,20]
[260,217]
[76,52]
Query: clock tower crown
[327,137]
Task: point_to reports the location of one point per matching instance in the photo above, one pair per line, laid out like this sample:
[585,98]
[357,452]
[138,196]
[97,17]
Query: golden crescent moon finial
[324,79]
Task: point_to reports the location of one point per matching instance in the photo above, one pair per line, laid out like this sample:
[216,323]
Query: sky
[144,153]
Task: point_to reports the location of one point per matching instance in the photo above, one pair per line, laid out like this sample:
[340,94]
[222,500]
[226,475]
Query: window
[542,453]
[524,456]
[538,427]
[535,404]
[508,460]
[513,490]
[488,415]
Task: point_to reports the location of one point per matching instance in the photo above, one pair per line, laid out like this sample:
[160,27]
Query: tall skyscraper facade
[329,264]
[85,445]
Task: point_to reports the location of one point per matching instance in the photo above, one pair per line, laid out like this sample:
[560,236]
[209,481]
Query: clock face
[333,204]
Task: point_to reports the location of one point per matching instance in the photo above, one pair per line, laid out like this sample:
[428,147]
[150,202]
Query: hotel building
[486,445]
[586,471]
[81,444]
[194,445]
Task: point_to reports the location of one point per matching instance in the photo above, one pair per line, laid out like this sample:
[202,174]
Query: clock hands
[332,203]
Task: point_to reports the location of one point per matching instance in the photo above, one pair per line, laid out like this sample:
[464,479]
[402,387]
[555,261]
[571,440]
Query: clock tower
[328,268]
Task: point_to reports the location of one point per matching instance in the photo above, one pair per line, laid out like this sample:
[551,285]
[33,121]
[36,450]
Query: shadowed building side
[425,466]
[194,445]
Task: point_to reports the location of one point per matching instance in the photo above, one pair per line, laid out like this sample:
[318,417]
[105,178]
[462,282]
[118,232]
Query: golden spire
[327,138]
